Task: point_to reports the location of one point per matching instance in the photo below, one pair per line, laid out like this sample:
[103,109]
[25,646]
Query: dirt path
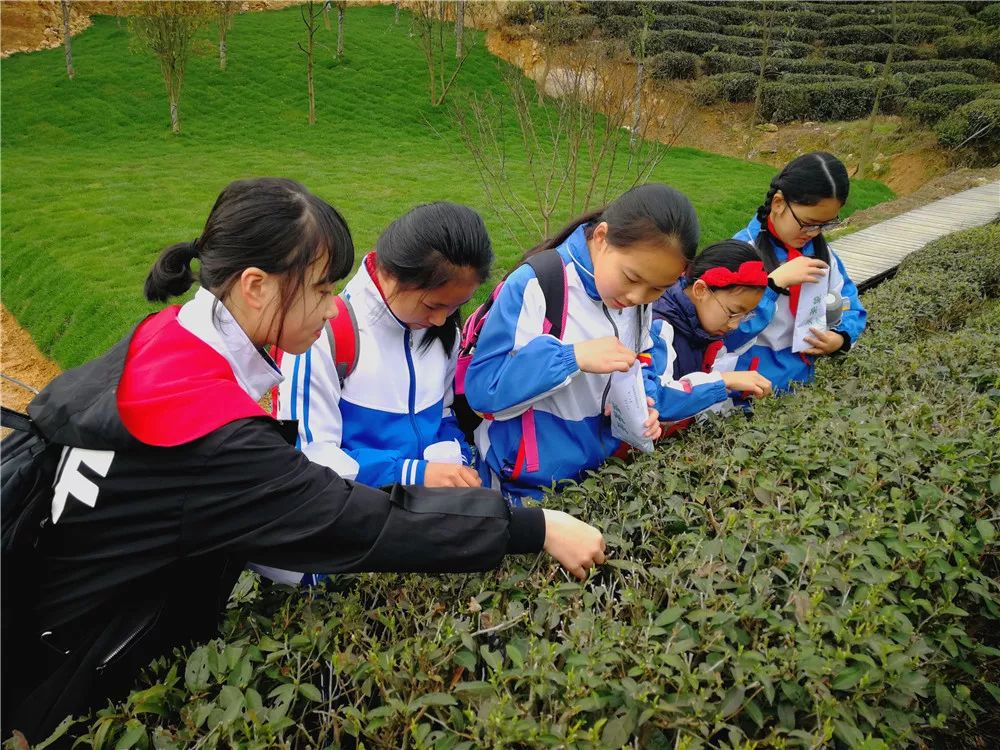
[20,358]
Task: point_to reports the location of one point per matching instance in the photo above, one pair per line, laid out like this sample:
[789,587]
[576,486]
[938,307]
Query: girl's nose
[438,318]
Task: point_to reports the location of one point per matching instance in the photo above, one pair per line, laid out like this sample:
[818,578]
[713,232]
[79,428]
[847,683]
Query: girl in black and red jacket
[172,477]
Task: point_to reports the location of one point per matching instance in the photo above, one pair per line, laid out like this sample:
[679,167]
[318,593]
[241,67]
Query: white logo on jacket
[71,481]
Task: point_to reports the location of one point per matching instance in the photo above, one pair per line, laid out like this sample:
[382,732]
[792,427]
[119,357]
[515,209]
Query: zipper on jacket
[408,348]
[604,396]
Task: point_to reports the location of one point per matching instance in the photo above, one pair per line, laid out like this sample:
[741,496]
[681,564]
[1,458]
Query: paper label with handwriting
[628,408]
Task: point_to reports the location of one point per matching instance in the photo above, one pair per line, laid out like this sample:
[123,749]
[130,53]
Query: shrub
[925,113]
[990,15]
[944,18]
[985,45]
[976,128]
[722,62]
[918,83]
[570,29]
[620,27]
[840,100]
[802,19]
[725,13]
[777,32]
[977,67]
[668,65]
[831,587]
[521,13]
[873,52]
[953,95]
[699,43]
[905,33]
[685,23]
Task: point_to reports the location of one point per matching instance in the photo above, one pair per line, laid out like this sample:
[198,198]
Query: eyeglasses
[737,316]
[832,224]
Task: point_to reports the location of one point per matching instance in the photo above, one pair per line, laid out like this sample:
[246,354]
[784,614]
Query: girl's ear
[601,232]
[778,203]
[699,289]
[257,288]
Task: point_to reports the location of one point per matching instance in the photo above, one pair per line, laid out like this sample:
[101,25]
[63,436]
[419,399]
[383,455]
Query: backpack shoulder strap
[551,274]
[15,420]
[345,341]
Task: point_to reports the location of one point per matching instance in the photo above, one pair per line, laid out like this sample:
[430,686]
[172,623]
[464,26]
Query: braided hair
[807,180]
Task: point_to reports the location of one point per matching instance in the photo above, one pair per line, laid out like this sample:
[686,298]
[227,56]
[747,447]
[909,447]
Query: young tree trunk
[459,28]
[222,50]
[395,19]
[67,40]
[755,117]
[175,122]
[326,15]
[637,120]
[866,138]
[340,31]
[310,85]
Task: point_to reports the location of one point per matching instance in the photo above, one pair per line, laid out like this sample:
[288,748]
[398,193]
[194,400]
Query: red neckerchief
[371,267]
[711,352]
[175,388]
[793,253]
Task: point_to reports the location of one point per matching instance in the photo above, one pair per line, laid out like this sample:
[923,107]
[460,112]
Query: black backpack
[28,464]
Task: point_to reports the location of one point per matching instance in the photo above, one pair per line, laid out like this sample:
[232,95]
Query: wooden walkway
[873,253]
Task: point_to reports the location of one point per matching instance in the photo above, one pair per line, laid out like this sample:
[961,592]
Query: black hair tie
[195,247]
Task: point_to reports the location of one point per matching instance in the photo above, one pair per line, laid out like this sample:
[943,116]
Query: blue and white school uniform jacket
[516,366]
[773,323]
[394,411]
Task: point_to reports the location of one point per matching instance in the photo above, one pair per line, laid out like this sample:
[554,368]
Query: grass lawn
[94,184]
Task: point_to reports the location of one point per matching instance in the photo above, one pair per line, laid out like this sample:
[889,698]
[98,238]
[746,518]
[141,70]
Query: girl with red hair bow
[720,289]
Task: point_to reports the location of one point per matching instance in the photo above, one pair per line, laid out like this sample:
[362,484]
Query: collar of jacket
[367,298]
[207,318]
[682,315]
[753,229]
[575,250]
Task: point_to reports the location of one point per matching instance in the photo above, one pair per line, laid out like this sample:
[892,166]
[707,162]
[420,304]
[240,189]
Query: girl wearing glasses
[720,290]
[805,275]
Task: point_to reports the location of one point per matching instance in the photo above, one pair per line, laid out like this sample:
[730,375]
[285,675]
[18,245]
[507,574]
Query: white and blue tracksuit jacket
[516,366]
[773,323]
[393,408]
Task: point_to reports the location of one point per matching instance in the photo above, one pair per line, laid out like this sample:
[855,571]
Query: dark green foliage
[903,33]
[722,62]
[952,95]
[918,83]
[570,29]
[990,15]
[668,65]
[839,100]
[973,66]
[944,18]
[619,27]
[522,13]
[820,575]
[975,127]
[742,87]
[699,43]
[984,45]
[874,52]
[776,32]
[685,23]
[924,112]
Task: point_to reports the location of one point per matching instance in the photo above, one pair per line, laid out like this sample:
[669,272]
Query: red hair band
[751,273]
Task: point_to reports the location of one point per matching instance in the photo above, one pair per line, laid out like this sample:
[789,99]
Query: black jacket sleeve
[262,499]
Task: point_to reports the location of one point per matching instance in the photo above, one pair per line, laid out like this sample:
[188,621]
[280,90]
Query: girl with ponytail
[172,477]
[789,329]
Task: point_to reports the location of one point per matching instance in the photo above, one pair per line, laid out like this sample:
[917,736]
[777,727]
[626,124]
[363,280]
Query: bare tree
[576,150]
[765,51]
[639,52]
[459,28]
[166,28]
[429,20]
[341,10]
[395,15]
[67,40]
[225,11]
[868,134]
[310,15]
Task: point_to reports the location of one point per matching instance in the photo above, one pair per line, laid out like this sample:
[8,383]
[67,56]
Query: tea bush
[874,52]
[723,62]
[990,15]
[952,95]
[776,32]
[686,23]
[973,66]
[925,112]
[984,45]
[836,100]
[673,65]
[816,575]
[918,83]
[699,43]
[975,127]
[905,33]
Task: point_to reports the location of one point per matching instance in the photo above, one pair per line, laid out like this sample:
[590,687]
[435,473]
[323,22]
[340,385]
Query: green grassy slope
[94,183]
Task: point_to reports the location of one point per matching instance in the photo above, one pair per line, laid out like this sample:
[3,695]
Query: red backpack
[345,343]
[551,274]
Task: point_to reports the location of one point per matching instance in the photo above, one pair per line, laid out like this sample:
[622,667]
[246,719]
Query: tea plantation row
[824,573]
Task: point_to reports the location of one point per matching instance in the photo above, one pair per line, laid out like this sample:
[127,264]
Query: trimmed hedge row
[990,15]
[723,62]
[700,43]
[874,52]
[686,23]
[974,127]
[918,83]
[776,33]
[985,45]
[973,66]
[742,87]
[840,100]
[905,33]
[672,65]
[829,587]
[925,112]
[953,95]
